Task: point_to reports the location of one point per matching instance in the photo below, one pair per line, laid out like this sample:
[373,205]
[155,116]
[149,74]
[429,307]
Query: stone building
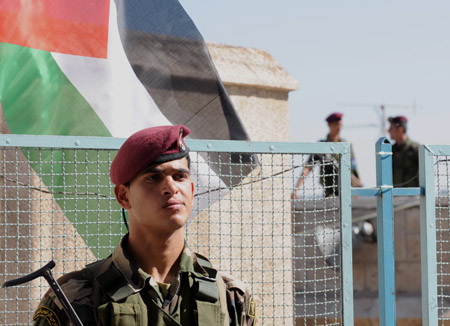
[259,88]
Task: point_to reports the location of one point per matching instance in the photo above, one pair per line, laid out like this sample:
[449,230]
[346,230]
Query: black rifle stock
[47,274]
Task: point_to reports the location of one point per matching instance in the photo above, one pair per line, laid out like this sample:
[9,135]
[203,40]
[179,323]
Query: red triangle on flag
[73,27]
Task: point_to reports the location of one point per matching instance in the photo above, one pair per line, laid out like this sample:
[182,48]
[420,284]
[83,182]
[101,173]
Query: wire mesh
[55,204]
[317,244]
[59,204]
[442,184]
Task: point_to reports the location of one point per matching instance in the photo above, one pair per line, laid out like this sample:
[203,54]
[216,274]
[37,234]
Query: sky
[349,56]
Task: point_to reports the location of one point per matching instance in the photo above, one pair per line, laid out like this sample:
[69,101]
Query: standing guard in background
[152,277]
[405,154]
[329,171]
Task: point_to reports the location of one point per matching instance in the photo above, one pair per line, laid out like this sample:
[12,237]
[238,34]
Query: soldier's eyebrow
[154,169]
[183,170]
[151,169]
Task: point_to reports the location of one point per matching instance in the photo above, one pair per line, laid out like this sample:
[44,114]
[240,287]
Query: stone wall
[258,86]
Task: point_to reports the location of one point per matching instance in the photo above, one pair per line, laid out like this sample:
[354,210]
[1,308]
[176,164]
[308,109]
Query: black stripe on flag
[171,59]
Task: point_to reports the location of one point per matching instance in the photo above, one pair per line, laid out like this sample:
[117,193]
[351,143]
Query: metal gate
[56,202]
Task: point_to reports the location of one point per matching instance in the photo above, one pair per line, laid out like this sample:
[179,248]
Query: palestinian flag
[108,68]
[101,68]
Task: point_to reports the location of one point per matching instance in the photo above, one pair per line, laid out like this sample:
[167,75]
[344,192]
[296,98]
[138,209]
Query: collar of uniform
[137,277]
[405,144]
[189,263]
[408,142]
[341,140]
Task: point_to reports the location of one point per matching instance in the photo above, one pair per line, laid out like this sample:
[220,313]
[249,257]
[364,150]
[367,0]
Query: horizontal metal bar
[366,192]
[51,141]
[419,191]
[438,149]
[374,192]
[267,147]
[85,142]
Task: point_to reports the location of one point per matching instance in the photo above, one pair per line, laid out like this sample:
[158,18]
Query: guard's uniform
[114,291]
[329,171]
[405,164]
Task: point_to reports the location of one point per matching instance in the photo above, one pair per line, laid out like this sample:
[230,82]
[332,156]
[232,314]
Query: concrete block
[359,273]
[371,278]
[407,278]
[412,247]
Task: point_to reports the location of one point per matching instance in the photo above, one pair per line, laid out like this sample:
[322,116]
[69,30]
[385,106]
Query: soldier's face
[394,131]
[335,127]
[159,198]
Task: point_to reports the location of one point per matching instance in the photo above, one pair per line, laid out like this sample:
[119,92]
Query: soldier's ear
[121,192]
[193,190]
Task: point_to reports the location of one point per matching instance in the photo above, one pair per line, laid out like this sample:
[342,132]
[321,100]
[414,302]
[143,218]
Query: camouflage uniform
[405,164]
[329,164]
[114,291]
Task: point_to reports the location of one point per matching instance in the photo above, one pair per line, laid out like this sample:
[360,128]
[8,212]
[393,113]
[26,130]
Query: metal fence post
[346,227]
[428,238]
[385,223]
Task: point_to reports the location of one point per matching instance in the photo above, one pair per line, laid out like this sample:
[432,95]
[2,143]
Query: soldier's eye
[152,177]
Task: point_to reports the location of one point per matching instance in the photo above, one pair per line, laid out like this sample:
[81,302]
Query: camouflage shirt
[405,164]
[133,297]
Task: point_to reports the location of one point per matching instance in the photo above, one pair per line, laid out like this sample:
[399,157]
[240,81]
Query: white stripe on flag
[120,100]
[111,87]
[205,179]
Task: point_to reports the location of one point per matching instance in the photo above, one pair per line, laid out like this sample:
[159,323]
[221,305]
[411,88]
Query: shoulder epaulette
[206,288]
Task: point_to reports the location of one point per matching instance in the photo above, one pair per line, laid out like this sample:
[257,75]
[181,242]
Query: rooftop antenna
[381,111]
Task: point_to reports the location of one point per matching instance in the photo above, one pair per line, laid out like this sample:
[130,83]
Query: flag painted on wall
[108,68]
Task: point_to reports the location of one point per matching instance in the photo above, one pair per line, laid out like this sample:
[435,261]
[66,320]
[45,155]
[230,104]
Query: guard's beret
[398,120]
[336,116]
[146,147]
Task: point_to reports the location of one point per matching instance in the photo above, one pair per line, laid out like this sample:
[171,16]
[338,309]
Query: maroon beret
[400,120]
[336,116]
[146,147]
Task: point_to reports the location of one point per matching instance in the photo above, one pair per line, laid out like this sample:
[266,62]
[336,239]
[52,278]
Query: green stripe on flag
[37,98]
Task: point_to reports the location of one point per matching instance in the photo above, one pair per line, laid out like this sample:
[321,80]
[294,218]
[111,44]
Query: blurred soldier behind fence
[329,178]
[405,154]
[330,163]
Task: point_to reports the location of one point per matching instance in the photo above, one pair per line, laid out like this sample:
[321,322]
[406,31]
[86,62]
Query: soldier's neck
[333,137]
[157,257]
[401,140]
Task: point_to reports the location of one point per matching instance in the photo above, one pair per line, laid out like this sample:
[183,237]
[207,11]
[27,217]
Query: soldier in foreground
[152,278]
[405,154]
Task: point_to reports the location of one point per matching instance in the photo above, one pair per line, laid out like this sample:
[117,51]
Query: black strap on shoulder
[206,286]
[114,284]
[91,270]
[111,281]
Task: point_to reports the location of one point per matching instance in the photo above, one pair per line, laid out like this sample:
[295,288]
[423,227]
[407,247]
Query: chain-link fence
[435,233]
[56,202]
[442,188]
